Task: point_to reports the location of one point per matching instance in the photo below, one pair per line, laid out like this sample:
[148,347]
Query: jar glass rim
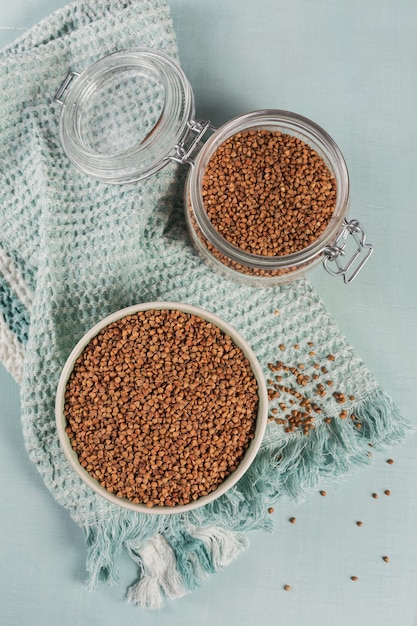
[286,122]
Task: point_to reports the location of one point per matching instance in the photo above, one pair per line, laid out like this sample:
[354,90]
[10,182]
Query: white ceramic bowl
[253,445]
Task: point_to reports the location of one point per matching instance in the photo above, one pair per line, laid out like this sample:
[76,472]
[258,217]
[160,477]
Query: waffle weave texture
[73,250]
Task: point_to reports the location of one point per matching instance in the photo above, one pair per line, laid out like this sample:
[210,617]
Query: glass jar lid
[123,117]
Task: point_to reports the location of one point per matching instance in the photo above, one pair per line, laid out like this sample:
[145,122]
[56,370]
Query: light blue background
[352,67]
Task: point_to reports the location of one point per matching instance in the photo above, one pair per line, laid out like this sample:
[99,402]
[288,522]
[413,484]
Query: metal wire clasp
[183,152]
[360,255]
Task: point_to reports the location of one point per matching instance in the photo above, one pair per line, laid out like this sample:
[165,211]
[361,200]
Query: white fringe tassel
[224,545]
[160,578]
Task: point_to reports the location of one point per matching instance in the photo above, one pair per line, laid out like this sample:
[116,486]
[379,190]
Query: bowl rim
[261,418]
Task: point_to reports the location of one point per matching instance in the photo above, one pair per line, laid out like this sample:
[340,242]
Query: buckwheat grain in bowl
[161,407]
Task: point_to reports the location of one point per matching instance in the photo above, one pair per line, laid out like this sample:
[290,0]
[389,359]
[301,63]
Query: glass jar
[124,114]
[132,112]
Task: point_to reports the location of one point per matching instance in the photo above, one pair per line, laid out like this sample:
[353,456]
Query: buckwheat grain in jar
[267,193]
[267,200]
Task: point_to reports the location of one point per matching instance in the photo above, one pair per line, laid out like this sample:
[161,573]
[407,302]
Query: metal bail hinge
[183,152]
[361,253]
[60,94]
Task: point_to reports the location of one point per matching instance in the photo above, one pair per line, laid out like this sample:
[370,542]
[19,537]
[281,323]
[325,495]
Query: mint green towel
[73,250]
